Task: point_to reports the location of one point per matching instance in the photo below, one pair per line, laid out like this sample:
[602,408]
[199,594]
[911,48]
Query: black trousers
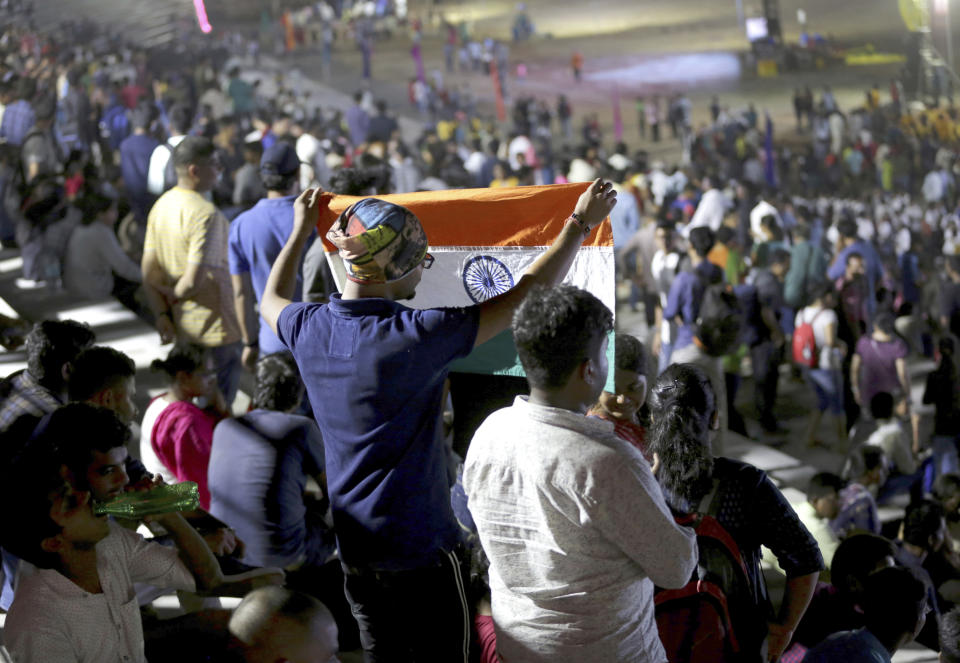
[420,615]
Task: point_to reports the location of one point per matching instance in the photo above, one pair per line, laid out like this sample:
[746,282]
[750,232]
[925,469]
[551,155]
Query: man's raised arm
[282,283]
[593,206]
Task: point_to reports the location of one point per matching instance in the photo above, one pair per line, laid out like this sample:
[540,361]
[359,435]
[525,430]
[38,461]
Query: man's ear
[715,420]
[52,544]
[103,398]
[65,371]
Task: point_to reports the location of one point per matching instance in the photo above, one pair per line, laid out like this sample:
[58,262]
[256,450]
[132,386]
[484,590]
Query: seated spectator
[892,439]
[950,637]
[576,531]
[42,387]
[921,536]
[77,606]
[106,377]
[946,491]
[895,609]
[822,506]
[630,382]
[866,472]
[837,606]
[752,510]
[96,266]
[259,467]
[176,435]
[942,390]
[277,624]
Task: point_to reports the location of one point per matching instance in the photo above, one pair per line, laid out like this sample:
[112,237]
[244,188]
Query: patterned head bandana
[379,242]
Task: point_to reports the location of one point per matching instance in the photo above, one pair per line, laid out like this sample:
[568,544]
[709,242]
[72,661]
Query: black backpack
[719,320]
[709,620]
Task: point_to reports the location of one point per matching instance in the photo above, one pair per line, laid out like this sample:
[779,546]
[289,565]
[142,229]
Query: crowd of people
[580,522]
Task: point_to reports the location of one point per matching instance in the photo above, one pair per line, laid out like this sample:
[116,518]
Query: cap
[379,241]
[279,159]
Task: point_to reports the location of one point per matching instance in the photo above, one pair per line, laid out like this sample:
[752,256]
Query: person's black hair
[725,234]
[666,224]
[359,181]
[946,487]
[823,484]
[872,457]
[853,255]
[847,228]
[947,345]
[824,289]
[381,106]
[253,147]
[278,182]
[770,223]
[180,118]
[950,636]
[96,369]
[893,602]
[27,486]
[74,431]
[779,257]
[801,231]
[358,96]
[279,386]
[26,88]
[92,205]
[53,343]
[186,357]
[885,323]
[45,107]
[629,354]
[922,521]
[191,150]
[682,405]
[554,330]
[881,405]
[856,557]
[702,240]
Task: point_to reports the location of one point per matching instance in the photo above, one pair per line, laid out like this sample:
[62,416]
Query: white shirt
[519,145]
[762,209]
[53,620]
[820,318]
[577,533]
[820,530]
[158,164]
[891,437]
[710,212]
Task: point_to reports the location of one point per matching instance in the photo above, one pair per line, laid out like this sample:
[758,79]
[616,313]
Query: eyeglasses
[427,261]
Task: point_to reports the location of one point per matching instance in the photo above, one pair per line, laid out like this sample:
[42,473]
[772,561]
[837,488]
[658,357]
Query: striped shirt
[184,228]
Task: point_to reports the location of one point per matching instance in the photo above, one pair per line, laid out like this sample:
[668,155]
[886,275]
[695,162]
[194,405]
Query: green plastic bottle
[183,496]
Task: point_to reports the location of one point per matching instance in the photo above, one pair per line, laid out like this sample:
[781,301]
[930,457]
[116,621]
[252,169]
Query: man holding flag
[374,370]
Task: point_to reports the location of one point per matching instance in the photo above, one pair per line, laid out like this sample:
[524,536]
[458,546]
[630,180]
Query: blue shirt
[135,153]
[18,118]
[256,238]
[871,262]
[624,220]
[259,464]
[374,371]
[860,646]
[686,293]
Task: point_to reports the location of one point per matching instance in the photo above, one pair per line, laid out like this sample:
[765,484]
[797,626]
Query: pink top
[182,438]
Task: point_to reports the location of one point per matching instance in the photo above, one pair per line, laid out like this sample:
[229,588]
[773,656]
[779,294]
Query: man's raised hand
[306,211]
[595,204]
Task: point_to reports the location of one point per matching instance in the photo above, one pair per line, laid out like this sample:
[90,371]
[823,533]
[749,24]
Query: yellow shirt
[183,227]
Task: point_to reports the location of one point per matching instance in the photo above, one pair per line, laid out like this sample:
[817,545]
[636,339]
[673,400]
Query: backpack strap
[708,503]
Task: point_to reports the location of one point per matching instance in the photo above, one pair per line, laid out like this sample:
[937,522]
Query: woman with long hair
[744,501]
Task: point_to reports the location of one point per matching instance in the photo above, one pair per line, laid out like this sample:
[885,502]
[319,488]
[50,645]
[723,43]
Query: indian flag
[483,241]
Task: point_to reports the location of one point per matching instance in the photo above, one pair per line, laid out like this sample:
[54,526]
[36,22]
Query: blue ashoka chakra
[485,277]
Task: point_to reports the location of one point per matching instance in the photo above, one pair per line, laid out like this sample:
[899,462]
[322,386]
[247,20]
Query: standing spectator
[942,390]
[569,527]
[751,508]
[808,266]
[247,184]
[256,238]
[387,469]
[576,63]
[653,118]
[824,378]
[358,121]
[850,242]
[711,209]
[185,267]
[162,174]
[767,355]
[73,112]
[241,94]
[622,407]
[136,152]
[40,152]
[879,364]
[565,115]
[950,297]
[18,116]
[382,126]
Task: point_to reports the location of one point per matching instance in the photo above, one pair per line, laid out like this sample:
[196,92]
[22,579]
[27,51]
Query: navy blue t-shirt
[256,238]
[374,371]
